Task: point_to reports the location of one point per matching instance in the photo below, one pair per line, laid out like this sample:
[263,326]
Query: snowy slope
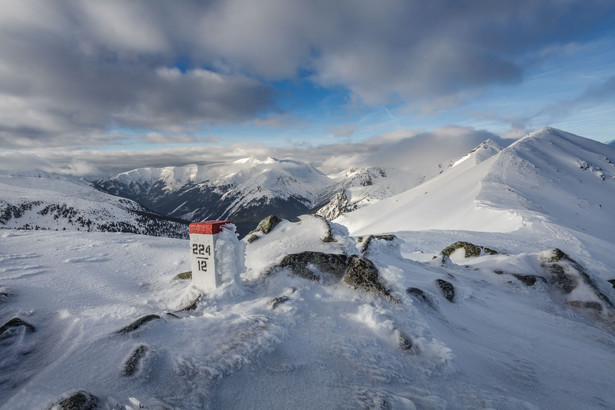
[40,200]
[289,342]
[547,176]
[447,201]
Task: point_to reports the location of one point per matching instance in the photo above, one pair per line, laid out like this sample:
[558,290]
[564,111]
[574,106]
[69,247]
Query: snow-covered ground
[501,344]
[527,327]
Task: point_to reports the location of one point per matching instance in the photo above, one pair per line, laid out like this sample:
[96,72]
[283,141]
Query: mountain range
[247,190]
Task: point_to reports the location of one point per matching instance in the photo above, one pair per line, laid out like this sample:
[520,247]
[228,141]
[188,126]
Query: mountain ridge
[505,191]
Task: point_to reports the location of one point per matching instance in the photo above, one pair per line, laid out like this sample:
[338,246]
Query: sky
[92,87]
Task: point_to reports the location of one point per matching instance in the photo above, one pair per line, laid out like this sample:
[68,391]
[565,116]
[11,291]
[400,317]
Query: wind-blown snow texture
[287,342]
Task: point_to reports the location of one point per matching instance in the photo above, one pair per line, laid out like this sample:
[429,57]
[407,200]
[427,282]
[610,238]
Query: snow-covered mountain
[549,175]
[248,190]
[362,187]
[39,200]
[244,191]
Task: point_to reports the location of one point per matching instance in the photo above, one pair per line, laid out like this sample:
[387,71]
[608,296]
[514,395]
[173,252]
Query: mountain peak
[483,151]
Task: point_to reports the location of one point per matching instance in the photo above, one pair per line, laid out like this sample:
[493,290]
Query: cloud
[342,130]
[279,121]
[400,149]
[594,94]
[71,70]
[405,149]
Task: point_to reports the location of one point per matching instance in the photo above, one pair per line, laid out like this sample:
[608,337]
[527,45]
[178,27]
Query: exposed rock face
[403,340]
[191,305]
[336,207]
[363,274]
[354,270]
[447,289]
[329,263]
[273,303]
[81,400]
[132,364]
[420,295]
[529,280]
[369,239]
[566,274]
[138,323]
[328,235]
[470,249]
[266,225]
[16,322]
[612,282]
[586,305]
[184,275]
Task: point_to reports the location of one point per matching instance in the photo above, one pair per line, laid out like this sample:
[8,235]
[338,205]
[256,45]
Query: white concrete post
[203,254]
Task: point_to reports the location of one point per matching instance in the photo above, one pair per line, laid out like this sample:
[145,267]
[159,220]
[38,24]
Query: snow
[500,344]
[449,201]
[47,201]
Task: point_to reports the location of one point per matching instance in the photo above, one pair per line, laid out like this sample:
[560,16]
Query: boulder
[447,289]
[356,271]
[420,295]
[81,400]
[266,225]
[328,263]
[273,303]
[403,340]
[132,363]
[184,275]
[363,274]
[16,322]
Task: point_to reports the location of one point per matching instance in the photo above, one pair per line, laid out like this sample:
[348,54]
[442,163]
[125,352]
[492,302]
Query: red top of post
[207,227]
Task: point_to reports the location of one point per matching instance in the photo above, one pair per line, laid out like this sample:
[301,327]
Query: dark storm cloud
[72,70]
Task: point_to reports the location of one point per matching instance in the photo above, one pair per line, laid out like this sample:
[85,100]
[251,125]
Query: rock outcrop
[470,249]
[363,274]
[447,289]
[265,226]
[81,400]
[138,323]
[310,265]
